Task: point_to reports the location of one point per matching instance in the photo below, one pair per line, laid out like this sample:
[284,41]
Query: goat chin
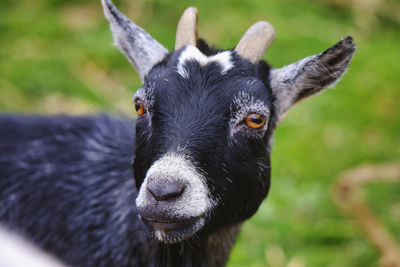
[170,232]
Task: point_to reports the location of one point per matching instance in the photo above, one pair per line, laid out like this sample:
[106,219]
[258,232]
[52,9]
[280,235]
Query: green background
[56,56]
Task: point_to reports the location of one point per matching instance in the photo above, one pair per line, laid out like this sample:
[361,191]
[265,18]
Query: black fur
[67,184]
[193,113]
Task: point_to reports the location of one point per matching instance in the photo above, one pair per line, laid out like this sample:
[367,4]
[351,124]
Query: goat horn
[186,32]
[256,41]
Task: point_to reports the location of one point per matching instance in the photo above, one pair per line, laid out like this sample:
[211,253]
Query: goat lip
[166,225]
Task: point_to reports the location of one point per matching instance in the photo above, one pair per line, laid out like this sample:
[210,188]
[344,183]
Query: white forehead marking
[191,53]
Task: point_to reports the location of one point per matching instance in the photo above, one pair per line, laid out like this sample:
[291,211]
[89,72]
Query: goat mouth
[169,225]
[174,230]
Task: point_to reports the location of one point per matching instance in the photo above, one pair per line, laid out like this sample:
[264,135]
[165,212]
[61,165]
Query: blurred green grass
[57,56]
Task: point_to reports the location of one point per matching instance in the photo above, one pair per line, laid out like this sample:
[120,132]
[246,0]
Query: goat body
[173,187]
[66,183]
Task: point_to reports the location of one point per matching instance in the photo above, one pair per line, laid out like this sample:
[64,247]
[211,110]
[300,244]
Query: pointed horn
[256,41]
[186,32]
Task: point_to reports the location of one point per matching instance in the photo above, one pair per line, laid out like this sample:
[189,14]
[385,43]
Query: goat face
[196,156]
[205,124]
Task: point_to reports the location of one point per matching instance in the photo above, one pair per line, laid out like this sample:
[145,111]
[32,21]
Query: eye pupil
[139,107]
[255,121]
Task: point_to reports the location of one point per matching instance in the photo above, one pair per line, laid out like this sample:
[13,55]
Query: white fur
[172,167]
[246,104]
[285,86]
[172,238]
[146,94]
[191,53]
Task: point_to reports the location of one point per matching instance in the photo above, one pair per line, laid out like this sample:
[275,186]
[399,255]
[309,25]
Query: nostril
[162,192]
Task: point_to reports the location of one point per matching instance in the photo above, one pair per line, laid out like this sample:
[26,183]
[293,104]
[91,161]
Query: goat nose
[162,192]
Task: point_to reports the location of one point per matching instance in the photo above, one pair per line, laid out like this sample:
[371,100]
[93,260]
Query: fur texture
[141,50]
[66,183]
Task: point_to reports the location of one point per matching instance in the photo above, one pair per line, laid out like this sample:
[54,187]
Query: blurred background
[56,56]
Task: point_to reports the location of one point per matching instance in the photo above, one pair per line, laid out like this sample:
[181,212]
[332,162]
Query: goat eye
[255,121]
[139,106]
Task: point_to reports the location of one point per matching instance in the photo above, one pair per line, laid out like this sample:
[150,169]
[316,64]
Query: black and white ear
[142,51]
[310,75]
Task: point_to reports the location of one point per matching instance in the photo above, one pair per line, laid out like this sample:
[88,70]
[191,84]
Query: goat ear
[310,75]
[141,50]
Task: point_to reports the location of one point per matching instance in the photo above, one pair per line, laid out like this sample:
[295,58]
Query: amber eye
[140,109]
[255,121]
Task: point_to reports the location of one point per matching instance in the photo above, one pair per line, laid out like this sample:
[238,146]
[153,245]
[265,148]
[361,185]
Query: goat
[173,187]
